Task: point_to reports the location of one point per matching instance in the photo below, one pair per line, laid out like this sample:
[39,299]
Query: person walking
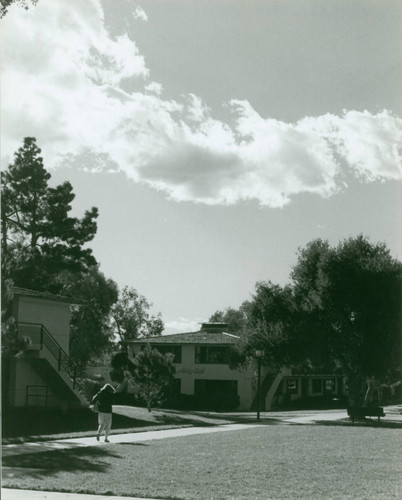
[105,398]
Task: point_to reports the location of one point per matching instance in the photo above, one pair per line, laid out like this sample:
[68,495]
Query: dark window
[202,387]
[329,385]
[174,349]
[212,355]
[165,349]
[292,386]
[316,385]
[217,395]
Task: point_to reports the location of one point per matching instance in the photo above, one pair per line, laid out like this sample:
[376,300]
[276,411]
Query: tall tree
[270,324]
[131,318]
[235,318]
[91,332]
[38,233]
[350,300]
[153,372]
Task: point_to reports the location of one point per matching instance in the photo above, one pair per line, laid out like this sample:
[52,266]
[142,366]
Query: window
[316,385]
[174,349]
[214,355]
[208,386]
[216,395]
[292,385]
[329,385]
[165,349]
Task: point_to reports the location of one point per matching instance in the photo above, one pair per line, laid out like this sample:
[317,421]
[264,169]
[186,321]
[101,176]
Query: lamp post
[259,355]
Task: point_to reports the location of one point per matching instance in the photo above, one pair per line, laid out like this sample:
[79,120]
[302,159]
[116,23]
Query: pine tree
[38,234]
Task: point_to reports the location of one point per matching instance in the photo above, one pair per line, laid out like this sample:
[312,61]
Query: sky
[216,138]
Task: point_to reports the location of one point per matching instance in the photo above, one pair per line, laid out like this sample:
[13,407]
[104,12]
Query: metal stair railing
[39,334]
[265,386]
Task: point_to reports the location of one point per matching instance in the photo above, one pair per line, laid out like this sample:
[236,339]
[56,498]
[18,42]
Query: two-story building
[203,373]
[202,367]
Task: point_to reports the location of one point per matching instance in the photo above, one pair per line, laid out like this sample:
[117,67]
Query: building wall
[55,316]
[295,387]
[285,387]
[188,371]
[24,375]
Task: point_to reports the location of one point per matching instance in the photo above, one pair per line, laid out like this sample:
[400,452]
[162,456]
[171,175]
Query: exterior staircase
[268,389]
[52,364]
[264,388]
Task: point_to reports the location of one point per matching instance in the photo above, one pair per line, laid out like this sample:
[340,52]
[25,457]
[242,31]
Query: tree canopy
[153,372]
[350,298]
[150,372]
[235,318]
[342,311]
[38,233]
[44,248]
[131,318]
[90,330]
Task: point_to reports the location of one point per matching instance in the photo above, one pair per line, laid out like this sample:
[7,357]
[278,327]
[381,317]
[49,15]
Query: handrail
[64,362]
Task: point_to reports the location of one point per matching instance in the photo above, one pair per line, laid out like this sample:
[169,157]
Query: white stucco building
[42,375]
[203,374]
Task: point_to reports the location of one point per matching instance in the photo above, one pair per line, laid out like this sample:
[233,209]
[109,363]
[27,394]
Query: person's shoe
[97,437]
[107,441]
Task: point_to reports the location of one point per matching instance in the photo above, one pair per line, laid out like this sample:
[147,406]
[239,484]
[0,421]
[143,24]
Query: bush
[89,387]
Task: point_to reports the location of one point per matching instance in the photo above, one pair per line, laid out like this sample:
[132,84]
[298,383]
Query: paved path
[10,494]
[317,417]
[135,437]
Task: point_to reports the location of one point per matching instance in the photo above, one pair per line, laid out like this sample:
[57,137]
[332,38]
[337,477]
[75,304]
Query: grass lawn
[39,425]
[267,462]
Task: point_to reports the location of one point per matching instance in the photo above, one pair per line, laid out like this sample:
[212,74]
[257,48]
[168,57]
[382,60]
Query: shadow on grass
[51,462]
[36,422]
[42,425]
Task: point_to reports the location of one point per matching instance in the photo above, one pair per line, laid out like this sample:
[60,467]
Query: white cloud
[139,13]
[181,325]
[65,82]
[154,88]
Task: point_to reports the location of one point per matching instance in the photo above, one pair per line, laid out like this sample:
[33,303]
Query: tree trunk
[4,245]
[355,386]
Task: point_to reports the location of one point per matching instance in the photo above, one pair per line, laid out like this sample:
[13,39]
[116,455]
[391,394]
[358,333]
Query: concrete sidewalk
[11,494]
[136,437]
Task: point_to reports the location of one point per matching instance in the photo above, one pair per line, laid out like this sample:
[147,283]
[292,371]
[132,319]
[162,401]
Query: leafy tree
[38,233]
[349,298]
[271,324]
[150,373]
[131,318]
[153,372]
[91,333]
[120,364]
[5,4]
[235,318]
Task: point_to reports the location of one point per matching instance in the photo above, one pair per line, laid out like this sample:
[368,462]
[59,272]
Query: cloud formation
[182,325]
[66,81]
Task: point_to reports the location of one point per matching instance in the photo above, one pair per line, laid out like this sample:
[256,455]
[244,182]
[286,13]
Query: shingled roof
[26,292]
[209,334]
